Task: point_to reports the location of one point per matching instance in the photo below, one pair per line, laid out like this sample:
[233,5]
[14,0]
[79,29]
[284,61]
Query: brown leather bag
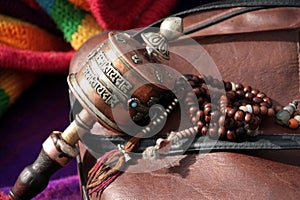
[258,47]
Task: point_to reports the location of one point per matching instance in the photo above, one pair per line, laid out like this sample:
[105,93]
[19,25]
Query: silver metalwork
[157,43]
[136,59]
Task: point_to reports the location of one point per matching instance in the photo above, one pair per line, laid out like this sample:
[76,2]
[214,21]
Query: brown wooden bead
[254,91]
[257,100]
[239,124]
[192,83]
[200,115]
[231,135]
[230,95]
[261,95]
[197,91]
[254,123]
[215,115]
[222,132]
[193,109]
[207,119]
[200,125]
[264,104]
[268,101]
[249,96]
[204,130]
[196,80]
[221,120]
[201,100]
[227,86]
[278,108]
[263,110]
[255,109]
[230,113]
[248,117]
[240,133]
[247,89]
[240,94]
[239,115]
[229,123]
[194,120]
[207,108]
[239,86]
[212,131]
[293,123]
[271,112]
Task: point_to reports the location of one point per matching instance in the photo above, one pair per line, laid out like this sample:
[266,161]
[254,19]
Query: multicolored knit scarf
[38,37]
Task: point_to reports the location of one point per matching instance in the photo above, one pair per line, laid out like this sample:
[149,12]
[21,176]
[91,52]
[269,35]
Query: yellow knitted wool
[8,80]
[23,35]
[88,28]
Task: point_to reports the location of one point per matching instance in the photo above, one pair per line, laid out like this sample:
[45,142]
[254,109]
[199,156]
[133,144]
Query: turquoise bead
[282,117]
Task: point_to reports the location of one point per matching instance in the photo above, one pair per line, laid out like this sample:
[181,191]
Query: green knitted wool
[67,17]
[4,101]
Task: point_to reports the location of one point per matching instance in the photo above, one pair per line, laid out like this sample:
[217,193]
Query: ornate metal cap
[157,43]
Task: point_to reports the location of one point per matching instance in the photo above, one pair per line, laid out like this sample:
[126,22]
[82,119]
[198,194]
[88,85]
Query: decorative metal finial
[157,43]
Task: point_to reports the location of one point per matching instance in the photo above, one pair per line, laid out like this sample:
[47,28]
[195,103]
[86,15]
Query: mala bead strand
[236,118]
[240,110]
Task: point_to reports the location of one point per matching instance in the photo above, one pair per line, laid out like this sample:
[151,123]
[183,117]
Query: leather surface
[261,50]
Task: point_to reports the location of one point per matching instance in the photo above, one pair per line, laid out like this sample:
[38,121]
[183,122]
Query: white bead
[243,108]
[171,28]
[297,117]
[233,86]
[249,108]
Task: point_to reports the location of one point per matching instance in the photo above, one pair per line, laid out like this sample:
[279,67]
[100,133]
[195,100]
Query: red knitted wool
[112,15]
[51,61]
[3,196]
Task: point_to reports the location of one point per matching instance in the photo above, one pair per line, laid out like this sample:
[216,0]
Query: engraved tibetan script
[105,94]
[112,73]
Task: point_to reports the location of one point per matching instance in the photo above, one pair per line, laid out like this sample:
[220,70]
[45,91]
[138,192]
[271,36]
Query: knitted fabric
[61,189]
[132,14]
[41,36]
[76,24]
[30,40]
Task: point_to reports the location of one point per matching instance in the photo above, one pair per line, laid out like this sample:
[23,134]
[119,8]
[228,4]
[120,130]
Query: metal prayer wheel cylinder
[118,78]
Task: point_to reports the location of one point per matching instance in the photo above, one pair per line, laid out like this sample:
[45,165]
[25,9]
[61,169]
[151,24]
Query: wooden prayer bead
[231,135]
[271,112]
[239,115]
[248,117]
[230,113]
[204,130]
[263,110]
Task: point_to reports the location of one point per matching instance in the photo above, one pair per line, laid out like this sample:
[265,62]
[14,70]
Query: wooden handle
[58,150]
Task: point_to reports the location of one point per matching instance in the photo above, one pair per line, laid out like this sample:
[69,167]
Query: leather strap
[102,144]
